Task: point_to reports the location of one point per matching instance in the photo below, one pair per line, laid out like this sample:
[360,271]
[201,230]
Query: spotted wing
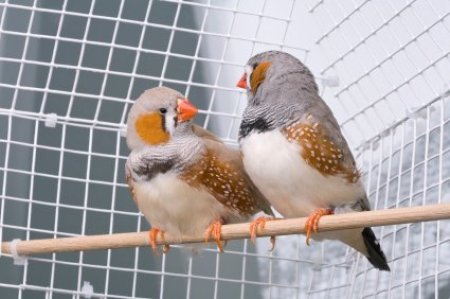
[221,172]
[320,151]
[325,149]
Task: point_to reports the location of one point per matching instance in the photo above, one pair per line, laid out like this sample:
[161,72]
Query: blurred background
[70,70]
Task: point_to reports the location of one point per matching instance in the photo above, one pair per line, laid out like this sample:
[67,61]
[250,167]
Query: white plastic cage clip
[123,131]
[18,260]
[87,290]
[51,119]
[329,81]
[418,113]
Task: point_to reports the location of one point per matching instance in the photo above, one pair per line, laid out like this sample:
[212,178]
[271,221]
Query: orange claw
[260,223]
[312,224]
[215,229]
[152,238]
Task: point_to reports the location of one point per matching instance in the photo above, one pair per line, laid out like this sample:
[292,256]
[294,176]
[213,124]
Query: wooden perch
[236,231]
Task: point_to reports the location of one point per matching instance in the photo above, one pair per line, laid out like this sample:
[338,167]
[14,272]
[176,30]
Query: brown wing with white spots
[221,172]
[320,151]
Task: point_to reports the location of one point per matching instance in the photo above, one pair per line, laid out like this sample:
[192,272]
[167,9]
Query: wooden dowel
[236,231]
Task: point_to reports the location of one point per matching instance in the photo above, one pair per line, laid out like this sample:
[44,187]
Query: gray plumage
[174,167]
[287,96]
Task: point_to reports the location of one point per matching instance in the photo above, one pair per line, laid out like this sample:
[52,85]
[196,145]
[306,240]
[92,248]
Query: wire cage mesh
[70,69]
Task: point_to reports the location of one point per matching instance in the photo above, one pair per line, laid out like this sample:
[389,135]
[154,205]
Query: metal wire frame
[377,106]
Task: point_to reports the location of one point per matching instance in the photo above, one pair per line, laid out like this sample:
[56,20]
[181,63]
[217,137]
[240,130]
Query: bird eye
[163,110]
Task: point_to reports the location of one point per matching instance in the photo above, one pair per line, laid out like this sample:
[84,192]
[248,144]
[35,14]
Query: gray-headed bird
[295,153]
[184,179]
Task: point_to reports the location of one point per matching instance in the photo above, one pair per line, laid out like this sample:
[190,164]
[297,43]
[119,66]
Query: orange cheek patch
[258,75]
[150,130]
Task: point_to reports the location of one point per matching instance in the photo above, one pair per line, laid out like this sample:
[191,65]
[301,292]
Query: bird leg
[312,224]
[215,230]
[260,223]
[152,238]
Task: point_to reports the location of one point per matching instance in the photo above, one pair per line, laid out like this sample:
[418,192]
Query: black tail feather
[375,254]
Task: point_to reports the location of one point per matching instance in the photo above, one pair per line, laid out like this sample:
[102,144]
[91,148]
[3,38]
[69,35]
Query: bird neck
[262,117]
[171,156]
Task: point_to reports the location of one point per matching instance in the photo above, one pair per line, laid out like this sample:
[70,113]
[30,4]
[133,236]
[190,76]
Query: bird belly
[171,204]
[293,187]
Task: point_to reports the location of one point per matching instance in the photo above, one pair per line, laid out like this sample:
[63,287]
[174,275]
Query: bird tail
[375,254]
[364,241]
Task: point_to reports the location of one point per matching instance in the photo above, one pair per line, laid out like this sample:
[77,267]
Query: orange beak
[243,82]
[186,111]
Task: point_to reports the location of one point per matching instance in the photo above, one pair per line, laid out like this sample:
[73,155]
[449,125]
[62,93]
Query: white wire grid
[69,70]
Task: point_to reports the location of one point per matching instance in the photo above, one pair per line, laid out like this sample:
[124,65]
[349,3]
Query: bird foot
[312,224]
[152,239]
[260,223]
[215,230]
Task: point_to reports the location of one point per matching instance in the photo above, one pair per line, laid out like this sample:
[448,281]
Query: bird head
[158,115]
[274,69]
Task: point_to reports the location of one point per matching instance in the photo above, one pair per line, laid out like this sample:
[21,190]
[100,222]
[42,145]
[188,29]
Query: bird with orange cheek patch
[295,153]
[183,178]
